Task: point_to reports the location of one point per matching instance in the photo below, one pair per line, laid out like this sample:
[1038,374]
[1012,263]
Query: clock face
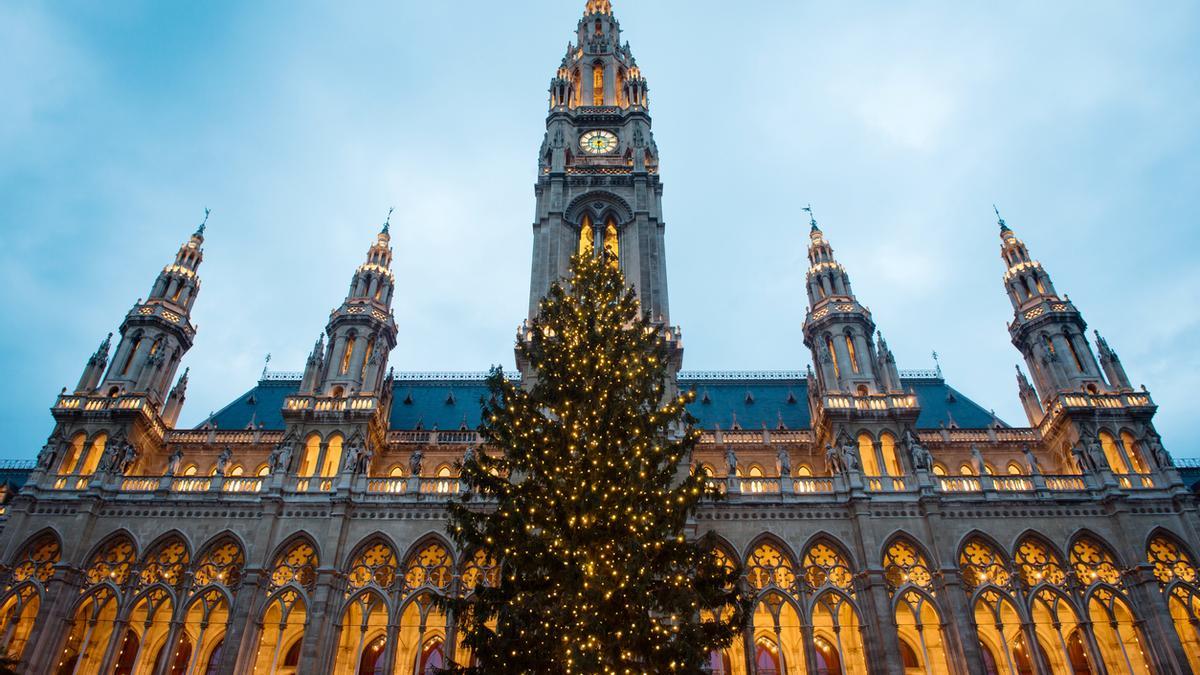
[598,142]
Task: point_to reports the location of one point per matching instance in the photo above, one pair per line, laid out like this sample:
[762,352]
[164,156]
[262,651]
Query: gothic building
[887,524]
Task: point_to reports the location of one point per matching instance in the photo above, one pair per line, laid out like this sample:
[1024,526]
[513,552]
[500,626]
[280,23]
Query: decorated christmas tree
[579,500]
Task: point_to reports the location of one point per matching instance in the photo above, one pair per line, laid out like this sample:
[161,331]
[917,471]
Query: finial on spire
[599,7]
[999,219]
[266,363]
[811,218]
[387,224]
[204,224]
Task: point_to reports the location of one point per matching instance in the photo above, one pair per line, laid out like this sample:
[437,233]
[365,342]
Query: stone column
[883,647]
[1152,607]
[315,648]
[53,621]
[962,644]
[237,656]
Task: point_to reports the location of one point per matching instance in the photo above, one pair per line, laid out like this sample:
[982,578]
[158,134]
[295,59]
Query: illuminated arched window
[375,565]
[166,563]
[37,559]
[891,460]
[1074,354]
[919,627]
[298,564]
[824,565]
[769,567]
[587,236]
[312,454]
[90,461]
[980,563]
[998,628]
[191,470]
[90,632]
[366,362]
[866,455]
[1121,643]
[576,88]
[33,567]
[480,570]
[74,451]
[1177,573]
[1133,451]
[282,633]
[852,352]
[612,243]
[939,469]
[206,620]
[333,457]
[1115,461]
[598,84]
[1038,564]
[903,565]
[1094,563]
[431,567]
[1015,469]
[837,371]
[113,561]
[966,470]
[347,355]
[221,563]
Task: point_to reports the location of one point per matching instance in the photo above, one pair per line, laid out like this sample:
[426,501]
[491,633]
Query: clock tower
[598,186]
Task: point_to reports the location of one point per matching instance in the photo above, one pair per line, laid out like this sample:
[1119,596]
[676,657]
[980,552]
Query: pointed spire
[203,225]
[387,224]
[1000,219]
[811,218]
[102,352]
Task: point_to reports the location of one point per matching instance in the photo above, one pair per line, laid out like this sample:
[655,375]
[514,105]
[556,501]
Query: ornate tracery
[166,563]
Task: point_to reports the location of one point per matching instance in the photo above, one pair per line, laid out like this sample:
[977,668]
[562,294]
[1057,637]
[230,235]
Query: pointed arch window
[824,565]
[298,564]
[347,355]
[113,562]
[1093,563]
[833,357]
[1133,452]
[852,352]
[587,236]
[374,565]
[903,564]
[1074,353]
[598,84]
[612,243]
[133,350]
[1038,564]
[429,567]
[221,563]
[1111,453]
[166,563]
[980,563]
[69,461]
[769,566]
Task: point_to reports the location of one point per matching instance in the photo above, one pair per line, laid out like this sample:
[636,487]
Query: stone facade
[887,524]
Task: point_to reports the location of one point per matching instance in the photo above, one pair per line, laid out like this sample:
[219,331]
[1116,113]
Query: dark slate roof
[745,400]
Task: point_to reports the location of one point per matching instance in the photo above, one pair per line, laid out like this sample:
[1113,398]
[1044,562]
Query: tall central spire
[598,188]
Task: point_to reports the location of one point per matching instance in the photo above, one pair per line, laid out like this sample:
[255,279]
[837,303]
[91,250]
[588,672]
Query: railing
[191,484]
[1135,481]
[886,484]
[17,464]
[72,482]
[813,485]
[1065,483]
[1188,463]
[877,403]
[139,484]
[1012,483]
[224,437]
[757,486]
[314,485]
[238,484]
[441,486]
[958,484]
[391,486]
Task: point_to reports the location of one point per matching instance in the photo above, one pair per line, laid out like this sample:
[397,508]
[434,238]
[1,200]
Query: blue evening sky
[299,123]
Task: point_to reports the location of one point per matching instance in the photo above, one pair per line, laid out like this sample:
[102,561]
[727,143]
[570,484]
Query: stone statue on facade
[1153,444]
[1094,453]
[50,451]
[785,462]
[281,456]
[833,460]
[977,458]
[731,461]
[1032,460]
[126,459]
[223,460]
[414,462]
[469,455]
[174,461]
[921,458]
[108,460]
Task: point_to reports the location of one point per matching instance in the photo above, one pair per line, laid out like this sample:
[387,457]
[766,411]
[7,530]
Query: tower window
[587,237]
[367,360]
[347,355]
[132,353]
[837,371]
[612,244]
[1074,354]
[851,351]
[598,84]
